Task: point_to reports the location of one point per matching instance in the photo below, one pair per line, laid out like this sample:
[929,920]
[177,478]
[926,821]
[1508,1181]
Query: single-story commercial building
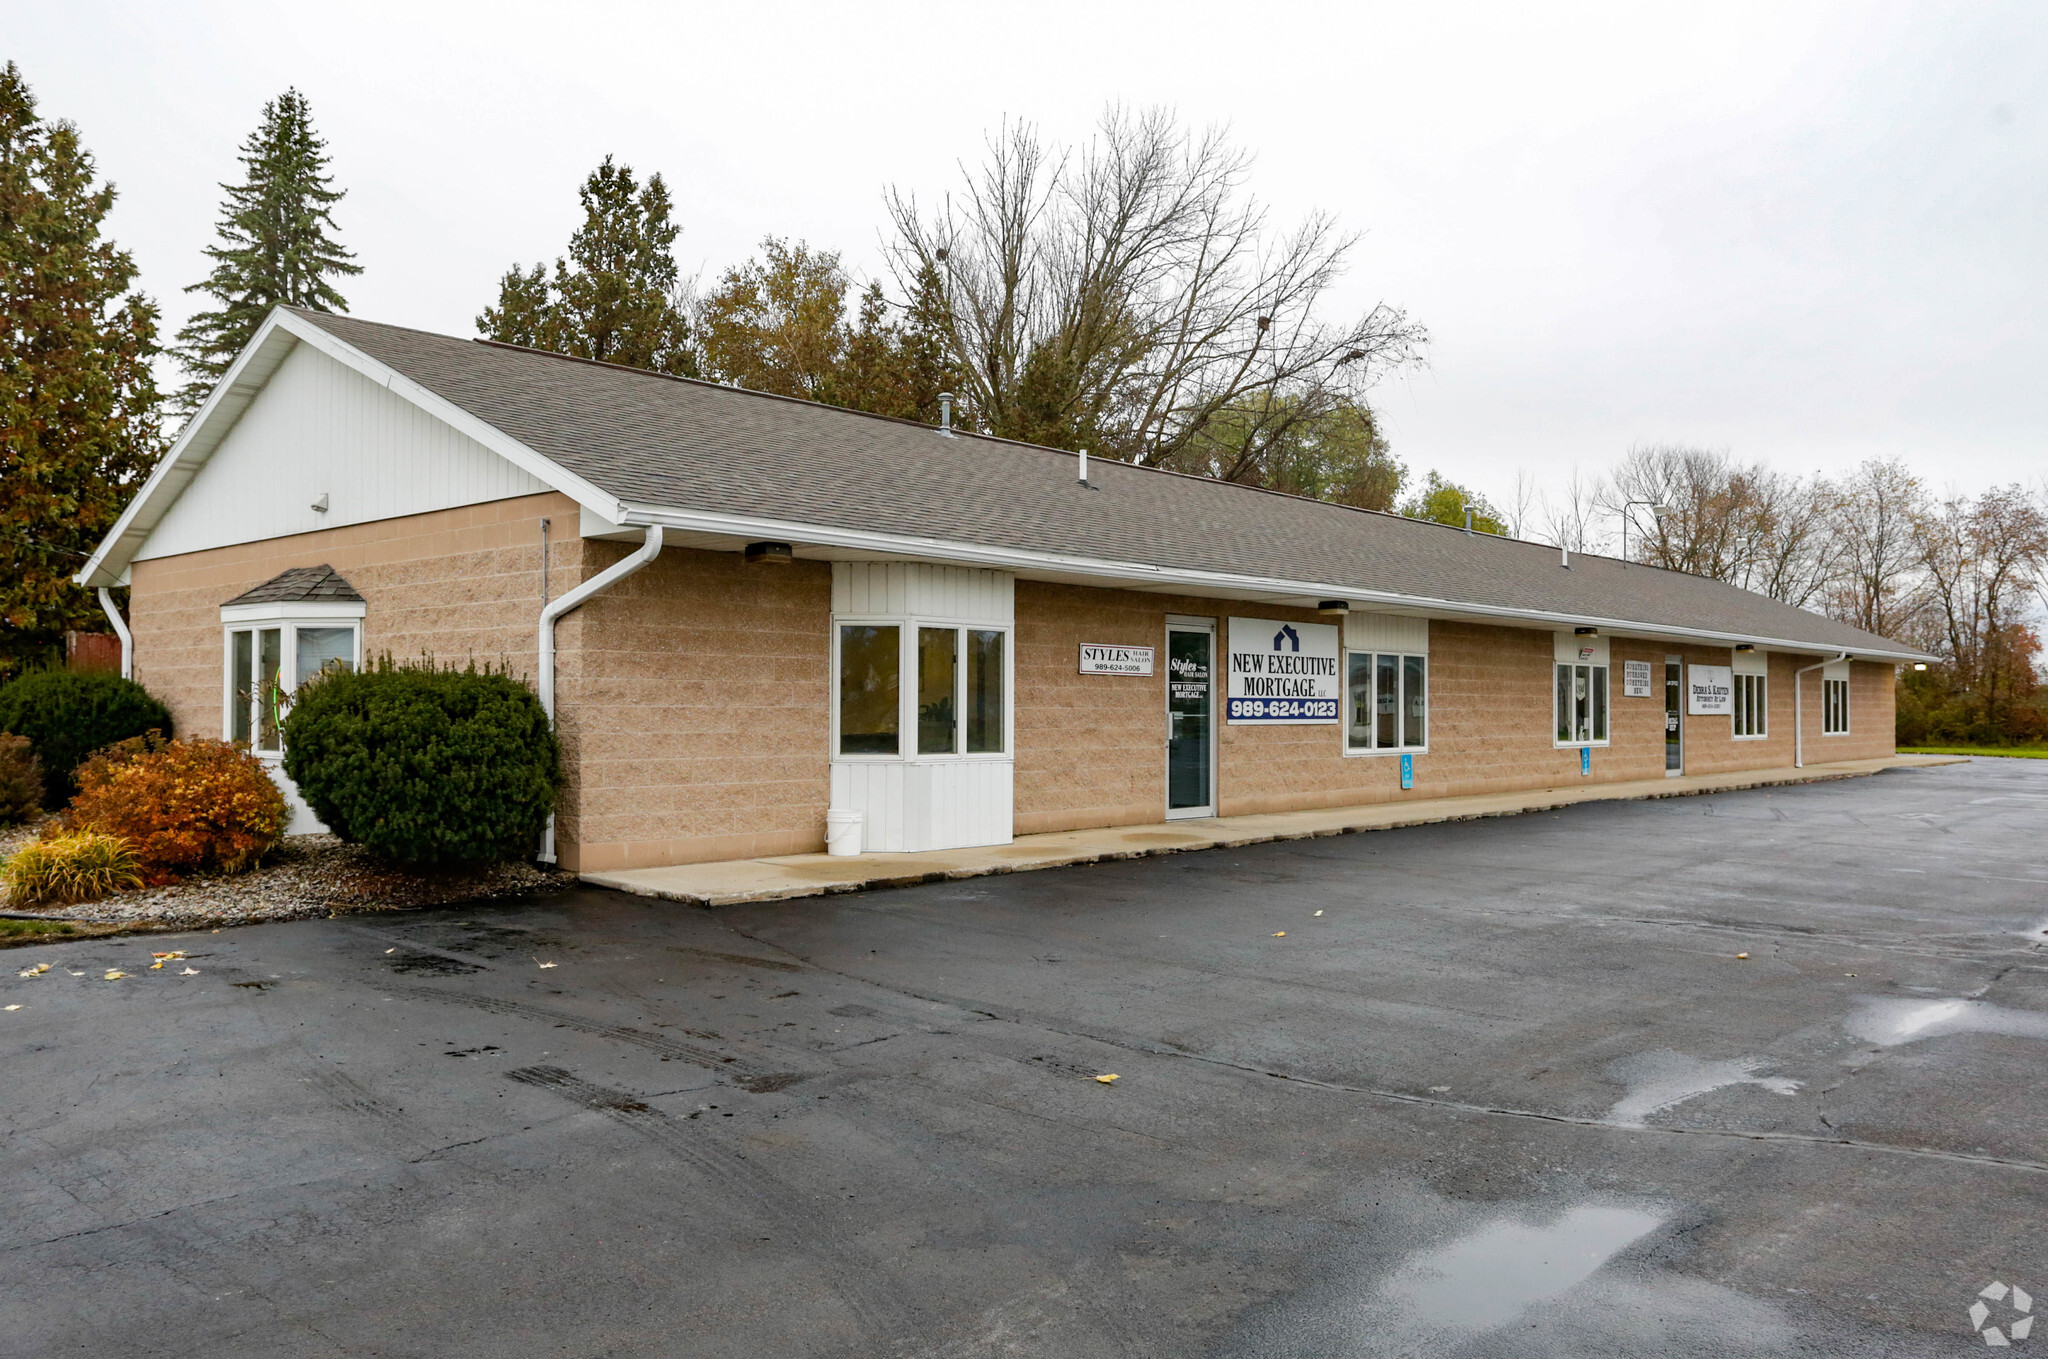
[746,611]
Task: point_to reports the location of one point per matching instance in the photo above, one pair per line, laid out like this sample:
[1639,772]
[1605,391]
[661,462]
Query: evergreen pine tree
[78,404]
[616,297]
[276,246]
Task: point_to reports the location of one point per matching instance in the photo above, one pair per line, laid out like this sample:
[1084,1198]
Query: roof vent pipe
[946,414]
[1084,467]
[1468,519]
[1564,556]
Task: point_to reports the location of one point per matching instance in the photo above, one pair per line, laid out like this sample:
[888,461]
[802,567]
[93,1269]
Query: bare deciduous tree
[1130,296]
[1747,524]
[1982,560]
[1876,584]
[1574,517]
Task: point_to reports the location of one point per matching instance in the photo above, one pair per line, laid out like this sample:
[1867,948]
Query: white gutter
[1799,709]
[748,528]
[553,611]
[120,630]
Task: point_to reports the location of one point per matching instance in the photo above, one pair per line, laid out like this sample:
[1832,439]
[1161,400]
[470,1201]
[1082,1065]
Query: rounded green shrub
[422,765]
[68,714]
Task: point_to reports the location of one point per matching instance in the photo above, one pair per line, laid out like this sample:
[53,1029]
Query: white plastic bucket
[843,832]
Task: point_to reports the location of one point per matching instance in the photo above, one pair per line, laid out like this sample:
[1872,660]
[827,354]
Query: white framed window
[1834,707]
[1752,707]
[1579,704]
[268,651]
[1386,702]
[906,687]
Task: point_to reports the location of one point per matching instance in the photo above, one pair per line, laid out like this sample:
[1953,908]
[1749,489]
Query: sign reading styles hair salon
[1098,659]
[1284,673]
[1709,690]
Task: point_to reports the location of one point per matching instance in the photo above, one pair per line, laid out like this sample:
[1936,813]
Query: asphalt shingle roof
[675,444]
[300,585]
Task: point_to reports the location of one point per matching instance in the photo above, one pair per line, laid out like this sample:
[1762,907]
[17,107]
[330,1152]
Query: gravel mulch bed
[305,876]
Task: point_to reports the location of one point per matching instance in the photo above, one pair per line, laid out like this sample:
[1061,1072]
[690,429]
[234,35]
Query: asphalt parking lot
[1497,1088]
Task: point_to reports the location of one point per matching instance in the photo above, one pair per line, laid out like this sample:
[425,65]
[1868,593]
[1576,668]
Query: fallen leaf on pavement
[1279,934]
[189,972]
[115,974]
[14,1007]
[547,964]
[1105,1080]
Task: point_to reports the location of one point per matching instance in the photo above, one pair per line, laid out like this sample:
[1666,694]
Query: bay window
[268,654]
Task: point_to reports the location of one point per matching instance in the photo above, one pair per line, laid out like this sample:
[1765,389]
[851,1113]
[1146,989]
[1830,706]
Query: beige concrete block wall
[694,695]
[1090,748]
[695,720]
[459,584]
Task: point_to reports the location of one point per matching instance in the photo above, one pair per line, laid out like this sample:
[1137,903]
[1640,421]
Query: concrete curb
[745,881]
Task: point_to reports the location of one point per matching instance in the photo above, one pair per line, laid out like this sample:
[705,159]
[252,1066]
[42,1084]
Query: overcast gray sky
[1812,233]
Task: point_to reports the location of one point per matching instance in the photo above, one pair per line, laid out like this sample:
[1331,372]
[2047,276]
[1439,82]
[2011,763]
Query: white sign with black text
[1283,672]
[1635,679]
[1710,690]
[1100,659]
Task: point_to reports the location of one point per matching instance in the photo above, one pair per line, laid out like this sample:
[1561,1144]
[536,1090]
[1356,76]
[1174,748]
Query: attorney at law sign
[1285,673]
[1709,690]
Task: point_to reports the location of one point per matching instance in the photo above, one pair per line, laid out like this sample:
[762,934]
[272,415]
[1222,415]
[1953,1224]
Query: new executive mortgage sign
[1283,672]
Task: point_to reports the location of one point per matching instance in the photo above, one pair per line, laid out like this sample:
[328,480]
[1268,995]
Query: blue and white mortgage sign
[1283,672]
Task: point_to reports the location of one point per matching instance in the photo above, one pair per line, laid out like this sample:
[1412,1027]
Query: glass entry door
[1190,722]
[1674,705]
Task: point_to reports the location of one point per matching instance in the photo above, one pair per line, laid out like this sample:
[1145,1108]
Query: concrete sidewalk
[809,875]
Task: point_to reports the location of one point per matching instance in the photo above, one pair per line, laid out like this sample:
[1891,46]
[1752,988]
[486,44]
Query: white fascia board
[196,442]
[265,353]
[304,609]
[1195,582]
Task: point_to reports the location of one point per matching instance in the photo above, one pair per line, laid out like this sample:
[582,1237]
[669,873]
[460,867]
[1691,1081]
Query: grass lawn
[16,933]
[2013,752]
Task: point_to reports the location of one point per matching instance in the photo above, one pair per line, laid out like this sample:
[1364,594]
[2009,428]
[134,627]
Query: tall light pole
[1657,508]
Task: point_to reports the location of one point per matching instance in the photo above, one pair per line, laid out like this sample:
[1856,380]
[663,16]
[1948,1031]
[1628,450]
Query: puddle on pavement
[1511,1285]
[1491,1276]
[1889,1022]
[1659,1080]
[1508,1278]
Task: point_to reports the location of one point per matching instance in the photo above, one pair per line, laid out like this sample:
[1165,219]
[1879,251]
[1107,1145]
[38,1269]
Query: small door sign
[1098,658]
[1635,679]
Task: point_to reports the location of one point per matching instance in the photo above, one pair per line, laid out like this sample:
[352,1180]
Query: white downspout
[553,611]
[120,630]
[1799,708]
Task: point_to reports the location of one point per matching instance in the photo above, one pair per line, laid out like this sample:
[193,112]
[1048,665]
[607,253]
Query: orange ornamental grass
[189,806]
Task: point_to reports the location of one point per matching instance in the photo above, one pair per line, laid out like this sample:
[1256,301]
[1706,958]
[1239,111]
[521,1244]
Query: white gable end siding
[320,427]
